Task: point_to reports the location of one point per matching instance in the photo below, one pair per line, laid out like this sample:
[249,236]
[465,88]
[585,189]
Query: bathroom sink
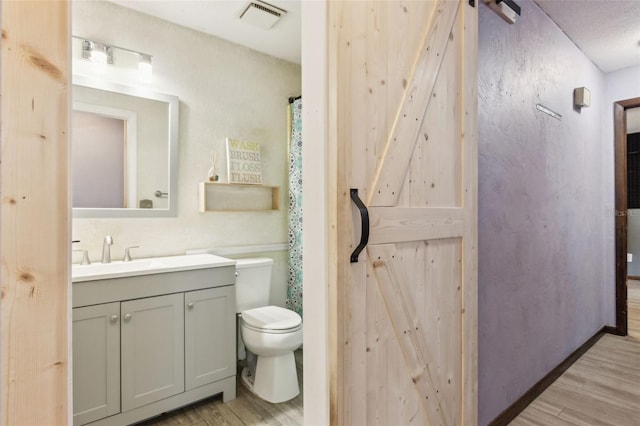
[155,265]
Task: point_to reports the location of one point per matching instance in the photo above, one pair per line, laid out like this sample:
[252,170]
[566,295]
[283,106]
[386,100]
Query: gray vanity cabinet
[96,362]
[152,349]
[144,345]
[209,320]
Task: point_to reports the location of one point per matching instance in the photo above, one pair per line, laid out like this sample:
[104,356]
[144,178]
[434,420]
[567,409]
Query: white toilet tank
[253,282]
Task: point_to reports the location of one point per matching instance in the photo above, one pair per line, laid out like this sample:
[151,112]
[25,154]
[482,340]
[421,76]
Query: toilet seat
[272,319]
[271,331]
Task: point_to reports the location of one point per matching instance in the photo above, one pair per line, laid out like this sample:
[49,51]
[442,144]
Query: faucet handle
[85,257]
[127,255]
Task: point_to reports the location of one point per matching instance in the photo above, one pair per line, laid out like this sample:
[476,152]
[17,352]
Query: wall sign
[243,162]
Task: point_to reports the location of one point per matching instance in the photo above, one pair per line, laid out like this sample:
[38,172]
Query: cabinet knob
[190,306]
[127,317]
[114,318]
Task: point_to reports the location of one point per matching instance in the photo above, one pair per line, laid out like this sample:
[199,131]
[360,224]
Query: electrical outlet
[629,257]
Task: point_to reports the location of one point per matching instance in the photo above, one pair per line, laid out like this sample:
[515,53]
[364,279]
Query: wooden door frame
[35,213]
[318,234]
[33,389]
[620,154]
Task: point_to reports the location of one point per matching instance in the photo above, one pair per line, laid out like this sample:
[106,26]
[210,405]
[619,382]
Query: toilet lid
[271,318]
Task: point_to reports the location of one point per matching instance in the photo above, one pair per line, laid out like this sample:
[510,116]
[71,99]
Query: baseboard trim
[523,402]
[607,329]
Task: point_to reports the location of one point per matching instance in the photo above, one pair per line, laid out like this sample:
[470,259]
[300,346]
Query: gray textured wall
[541,214]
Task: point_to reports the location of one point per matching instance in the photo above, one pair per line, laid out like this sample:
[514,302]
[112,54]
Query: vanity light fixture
[145,69]
[97,52]
[101,54]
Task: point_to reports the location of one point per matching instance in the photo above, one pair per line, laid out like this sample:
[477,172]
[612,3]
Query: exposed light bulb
[145,70]
[98,56]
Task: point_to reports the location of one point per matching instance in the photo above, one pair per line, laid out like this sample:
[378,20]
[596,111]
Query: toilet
[269,334]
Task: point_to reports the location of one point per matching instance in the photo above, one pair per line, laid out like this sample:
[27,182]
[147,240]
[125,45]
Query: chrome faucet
[127,254]
[85,254]
[106,249]
[85,257]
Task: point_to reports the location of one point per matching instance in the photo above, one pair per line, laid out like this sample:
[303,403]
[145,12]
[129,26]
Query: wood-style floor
[601,388]
[633,308]
[245,410]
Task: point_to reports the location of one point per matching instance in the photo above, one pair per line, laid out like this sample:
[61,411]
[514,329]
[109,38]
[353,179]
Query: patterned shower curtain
[294,285]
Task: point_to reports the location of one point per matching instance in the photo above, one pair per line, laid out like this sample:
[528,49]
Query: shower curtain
[294,284]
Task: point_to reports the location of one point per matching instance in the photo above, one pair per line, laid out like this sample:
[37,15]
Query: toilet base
[276,378]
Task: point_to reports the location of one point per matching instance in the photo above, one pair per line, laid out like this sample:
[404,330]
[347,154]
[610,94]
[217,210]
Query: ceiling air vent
[261,14]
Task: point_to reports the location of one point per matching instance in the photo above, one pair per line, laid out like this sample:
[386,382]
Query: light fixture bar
[101,53]
[111,46]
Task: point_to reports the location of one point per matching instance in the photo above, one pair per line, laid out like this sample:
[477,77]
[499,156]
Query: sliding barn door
[403,78]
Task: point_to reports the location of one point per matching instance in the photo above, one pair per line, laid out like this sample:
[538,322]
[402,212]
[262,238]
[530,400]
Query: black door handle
[364,219]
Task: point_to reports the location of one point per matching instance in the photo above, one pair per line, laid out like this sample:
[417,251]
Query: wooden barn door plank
[408,329]
[414,224]
[401,141]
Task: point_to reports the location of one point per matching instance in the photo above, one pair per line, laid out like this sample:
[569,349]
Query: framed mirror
[124,150]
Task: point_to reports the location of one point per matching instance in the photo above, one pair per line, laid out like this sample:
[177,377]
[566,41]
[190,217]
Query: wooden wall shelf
[215,196]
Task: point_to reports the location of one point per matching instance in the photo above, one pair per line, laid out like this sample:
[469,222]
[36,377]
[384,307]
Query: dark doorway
[622,204]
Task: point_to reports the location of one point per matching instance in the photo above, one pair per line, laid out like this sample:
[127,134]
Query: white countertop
[154,265]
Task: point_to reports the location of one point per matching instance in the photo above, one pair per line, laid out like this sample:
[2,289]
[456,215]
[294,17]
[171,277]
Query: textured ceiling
[607,31]
[220,18]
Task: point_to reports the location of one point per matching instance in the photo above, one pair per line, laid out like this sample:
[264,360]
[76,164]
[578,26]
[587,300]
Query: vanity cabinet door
[152,349]
[210,335]
[96,362]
